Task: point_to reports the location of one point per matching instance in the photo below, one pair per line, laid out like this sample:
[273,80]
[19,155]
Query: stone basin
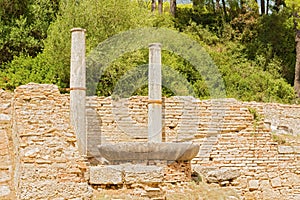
[127,151]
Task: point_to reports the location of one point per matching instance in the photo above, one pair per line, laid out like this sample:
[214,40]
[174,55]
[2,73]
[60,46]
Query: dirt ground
[186,191]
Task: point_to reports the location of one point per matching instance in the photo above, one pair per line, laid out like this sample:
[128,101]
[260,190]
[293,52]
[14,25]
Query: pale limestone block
[221,175]
[269,194]
[276,182]
[4,190]
[285,149]
[253,184]
[4,175]
[291,179]
[297,149]
[264,184]
[29,152]
[106,175]
[4,117]
[143,174]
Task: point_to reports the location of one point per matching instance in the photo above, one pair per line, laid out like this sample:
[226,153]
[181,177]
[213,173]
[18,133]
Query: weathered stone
[4,190]
[296,196]
[276,182]
[297,149]
[253,185]
[4,106]
[269,194]
[221,175]
[4,175]
[31,152]
[224,183]
[109,174]
[250,196]
[232,198]
[285,149]
[291,179]
[143,174]
[4,117]
[149,151]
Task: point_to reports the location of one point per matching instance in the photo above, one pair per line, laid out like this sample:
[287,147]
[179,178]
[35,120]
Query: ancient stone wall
[39,157]
[283,118]
[6,147]
[234,136]
[49,165]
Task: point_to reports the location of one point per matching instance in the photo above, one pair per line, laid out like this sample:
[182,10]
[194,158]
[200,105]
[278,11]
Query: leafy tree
[295,6]
[23,25]
[254,53]
[101,19]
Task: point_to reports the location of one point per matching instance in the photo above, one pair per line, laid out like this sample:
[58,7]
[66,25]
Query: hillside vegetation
[253,50]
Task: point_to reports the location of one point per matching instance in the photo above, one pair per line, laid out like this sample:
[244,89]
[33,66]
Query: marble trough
[149,151]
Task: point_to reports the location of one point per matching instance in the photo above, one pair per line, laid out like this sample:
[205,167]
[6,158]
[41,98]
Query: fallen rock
[222,175]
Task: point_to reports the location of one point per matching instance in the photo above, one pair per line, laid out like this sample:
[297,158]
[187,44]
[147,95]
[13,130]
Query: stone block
[253,185]
[270,194]
[4,190]
[285,149]
[4,117]
[276,182]
[109,174]
[297,149]
[221,175]
[143,174]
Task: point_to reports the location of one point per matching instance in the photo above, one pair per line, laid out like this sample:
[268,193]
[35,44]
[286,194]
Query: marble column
[78,88]
[154,94]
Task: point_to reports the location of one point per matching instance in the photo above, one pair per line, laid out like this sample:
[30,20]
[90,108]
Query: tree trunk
[217,5]
[268,3]
[160,6]
[278,3]
[213,6]
[262,7]
[173,7]
[243,9]
[224,8]
[297,67]
[153,5]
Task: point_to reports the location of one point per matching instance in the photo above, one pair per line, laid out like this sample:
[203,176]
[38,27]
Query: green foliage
[255,54]
[23,26]
[256,115]
[101,19]
[295,4]
[246,79]
[134,69]
[24,69]
[273,40]
[188,15]
[280,139]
